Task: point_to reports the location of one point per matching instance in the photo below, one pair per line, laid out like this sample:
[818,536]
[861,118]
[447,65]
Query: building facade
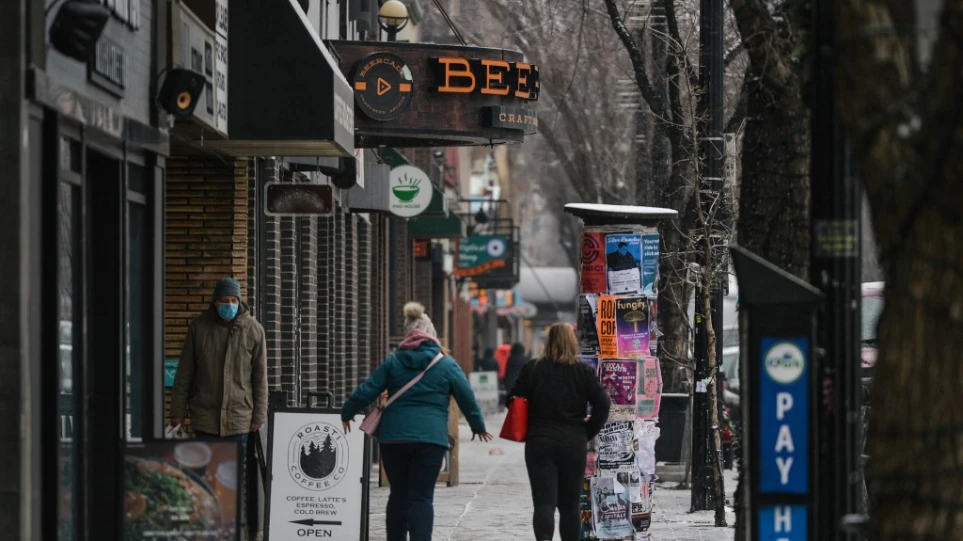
[167,146]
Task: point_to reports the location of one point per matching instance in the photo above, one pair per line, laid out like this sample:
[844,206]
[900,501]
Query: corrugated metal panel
[374,196]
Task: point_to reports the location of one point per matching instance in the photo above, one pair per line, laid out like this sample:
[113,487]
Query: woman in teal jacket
[413,433]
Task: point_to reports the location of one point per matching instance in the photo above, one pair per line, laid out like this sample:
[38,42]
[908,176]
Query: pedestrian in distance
[558,387]
[516,362]
[413,432]
[487,363]
[222,374]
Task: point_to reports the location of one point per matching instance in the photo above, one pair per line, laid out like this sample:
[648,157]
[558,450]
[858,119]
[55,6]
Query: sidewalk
[493,501]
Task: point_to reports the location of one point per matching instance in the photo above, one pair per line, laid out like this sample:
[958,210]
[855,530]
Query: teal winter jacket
[421,414]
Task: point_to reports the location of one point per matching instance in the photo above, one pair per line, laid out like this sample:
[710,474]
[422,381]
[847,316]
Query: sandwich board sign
[317,477]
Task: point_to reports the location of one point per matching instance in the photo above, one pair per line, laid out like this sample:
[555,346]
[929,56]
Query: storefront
[95,162]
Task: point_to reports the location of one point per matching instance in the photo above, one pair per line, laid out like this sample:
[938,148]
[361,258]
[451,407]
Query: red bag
[516,422]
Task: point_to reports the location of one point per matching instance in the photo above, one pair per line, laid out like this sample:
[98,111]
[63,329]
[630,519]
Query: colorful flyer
[592,361]
[607,330]
[620,379]
[650,263]
[592,277]
[585,511]
[632,318]
[623,260]
[612,512]
[650,389]
[615,447]
[654,332]
[587,328]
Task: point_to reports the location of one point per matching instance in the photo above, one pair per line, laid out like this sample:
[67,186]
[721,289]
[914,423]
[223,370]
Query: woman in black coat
[558,388]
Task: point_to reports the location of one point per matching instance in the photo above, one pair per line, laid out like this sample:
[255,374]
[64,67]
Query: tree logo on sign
[318,456]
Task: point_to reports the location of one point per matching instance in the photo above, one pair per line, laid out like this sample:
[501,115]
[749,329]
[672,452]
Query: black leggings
[556,472]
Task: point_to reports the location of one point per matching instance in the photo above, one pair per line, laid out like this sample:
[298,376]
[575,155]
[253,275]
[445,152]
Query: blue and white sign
[783,522]
[784,416]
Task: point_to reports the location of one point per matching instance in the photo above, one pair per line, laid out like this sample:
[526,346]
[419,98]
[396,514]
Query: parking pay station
[779,312]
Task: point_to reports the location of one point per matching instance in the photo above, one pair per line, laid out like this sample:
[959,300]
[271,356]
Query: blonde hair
[562,345]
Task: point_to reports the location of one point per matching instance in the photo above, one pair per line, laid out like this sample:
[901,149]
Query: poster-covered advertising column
[618,333]
[318,478]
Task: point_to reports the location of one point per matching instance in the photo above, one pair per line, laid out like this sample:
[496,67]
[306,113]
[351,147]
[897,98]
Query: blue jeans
[412,470]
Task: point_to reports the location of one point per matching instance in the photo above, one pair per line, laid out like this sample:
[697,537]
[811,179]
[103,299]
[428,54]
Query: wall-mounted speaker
[348,177]
[181,91]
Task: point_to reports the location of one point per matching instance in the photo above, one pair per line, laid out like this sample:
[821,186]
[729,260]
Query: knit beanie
[416,319]
[226,287]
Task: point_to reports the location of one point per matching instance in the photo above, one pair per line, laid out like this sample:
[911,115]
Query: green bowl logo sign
[411,191]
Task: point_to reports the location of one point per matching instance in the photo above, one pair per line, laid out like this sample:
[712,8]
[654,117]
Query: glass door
[70,355]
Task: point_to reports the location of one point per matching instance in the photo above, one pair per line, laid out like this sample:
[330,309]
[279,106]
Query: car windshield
[872,307]
[730,365]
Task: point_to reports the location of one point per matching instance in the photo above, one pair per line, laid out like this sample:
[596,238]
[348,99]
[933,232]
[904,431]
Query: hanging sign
[410,191]
[318,477]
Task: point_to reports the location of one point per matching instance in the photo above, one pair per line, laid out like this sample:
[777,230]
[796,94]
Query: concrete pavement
[493,501]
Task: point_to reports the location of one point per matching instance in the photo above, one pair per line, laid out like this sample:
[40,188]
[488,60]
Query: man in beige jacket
[222,375]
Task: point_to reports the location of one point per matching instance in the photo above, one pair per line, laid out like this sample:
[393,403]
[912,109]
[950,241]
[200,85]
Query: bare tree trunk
[907,130]
[713,389]
[774,193]
[774,184]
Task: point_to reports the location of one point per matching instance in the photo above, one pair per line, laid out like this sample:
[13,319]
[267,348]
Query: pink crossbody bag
[371,421]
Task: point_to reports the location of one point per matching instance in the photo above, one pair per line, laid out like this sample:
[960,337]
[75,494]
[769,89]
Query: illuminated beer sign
[486,76]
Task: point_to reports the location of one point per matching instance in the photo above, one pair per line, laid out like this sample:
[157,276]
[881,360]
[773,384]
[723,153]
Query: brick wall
[308,326]
[402,264]
[381,289]
[364,292]
[206,231]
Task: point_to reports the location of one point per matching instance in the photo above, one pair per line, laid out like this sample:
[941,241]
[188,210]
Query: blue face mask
[227,311]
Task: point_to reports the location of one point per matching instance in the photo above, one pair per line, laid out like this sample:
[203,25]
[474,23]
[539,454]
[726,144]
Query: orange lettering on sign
[457,68]
[480,269]
[522,89]
[495,71]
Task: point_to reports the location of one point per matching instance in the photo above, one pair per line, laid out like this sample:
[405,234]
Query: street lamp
[392,17]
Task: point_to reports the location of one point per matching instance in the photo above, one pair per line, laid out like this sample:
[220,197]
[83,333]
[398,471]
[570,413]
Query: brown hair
[562,346]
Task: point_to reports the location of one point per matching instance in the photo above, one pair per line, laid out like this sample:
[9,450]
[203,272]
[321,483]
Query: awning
[287,96]
[550,287]
[437,227]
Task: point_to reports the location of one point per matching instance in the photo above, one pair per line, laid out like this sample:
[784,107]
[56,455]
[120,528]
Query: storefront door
[104,226]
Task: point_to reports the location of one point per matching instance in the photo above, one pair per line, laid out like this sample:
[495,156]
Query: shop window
[138,298]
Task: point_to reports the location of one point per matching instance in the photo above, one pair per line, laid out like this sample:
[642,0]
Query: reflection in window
[68,240]
[135,322]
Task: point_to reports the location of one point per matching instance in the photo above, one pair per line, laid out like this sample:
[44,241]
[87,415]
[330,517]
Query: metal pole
[492,313]
[712,150]
[836,267]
